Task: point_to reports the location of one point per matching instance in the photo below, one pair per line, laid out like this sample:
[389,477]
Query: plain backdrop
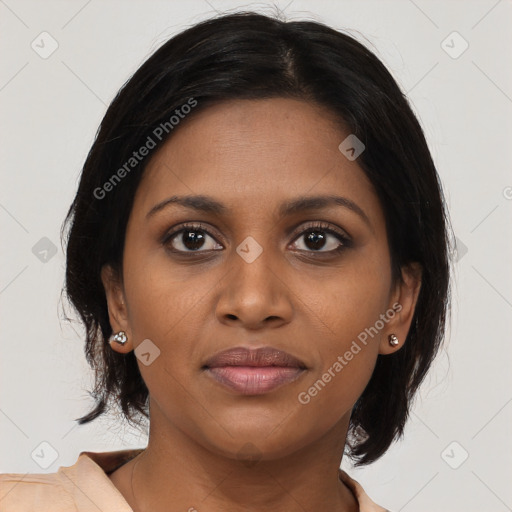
[456,452]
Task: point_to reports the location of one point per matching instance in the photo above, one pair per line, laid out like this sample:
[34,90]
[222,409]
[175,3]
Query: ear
[117,310]
[403,303]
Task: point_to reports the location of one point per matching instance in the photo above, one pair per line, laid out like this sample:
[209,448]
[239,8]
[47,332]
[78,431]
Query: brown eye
[191,239]
[321,238]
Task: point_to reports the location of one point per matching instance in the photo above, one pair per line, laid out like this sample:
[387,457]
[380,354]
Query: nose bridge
[255,250]
[254,291]
[252,263]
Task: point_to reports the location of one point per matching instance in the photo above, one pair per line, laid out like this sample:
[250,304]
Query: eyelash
[312,226]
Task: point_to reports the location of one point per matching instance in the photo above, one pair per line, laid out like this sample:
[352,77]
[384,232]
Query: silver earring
[393,340]
[119,337]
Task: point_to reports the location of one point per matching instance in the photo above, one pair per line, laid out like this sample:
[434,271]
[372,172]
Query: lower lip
[254,380]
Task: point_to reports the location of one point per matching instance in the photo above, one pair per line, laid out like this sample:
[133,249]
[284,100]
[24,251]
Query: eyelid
[324,226]
[345,238]
[193,225]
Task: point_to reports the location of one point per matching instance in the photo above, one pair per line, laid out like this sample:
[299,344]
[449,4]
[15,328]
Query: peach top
[86,487]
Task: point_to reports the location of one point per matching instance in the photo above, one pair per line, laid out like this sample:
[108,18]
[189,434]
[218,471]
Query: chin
[247,443]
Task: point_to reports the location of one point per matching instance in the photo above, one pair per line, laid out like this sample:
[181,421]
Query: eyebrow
[206,204]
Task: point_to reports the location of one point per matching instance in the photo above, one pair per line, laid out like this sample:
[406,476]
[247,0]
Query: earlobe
[406,296]
[117,311]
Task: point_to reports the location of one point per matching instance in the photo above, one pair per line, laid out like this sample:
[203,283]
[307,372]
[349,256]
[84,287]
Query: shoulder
[365,503]
[85,486]
[32,491]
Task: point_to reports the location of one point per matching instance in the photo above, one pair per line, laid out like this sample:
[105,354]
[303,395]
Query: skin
[252,156]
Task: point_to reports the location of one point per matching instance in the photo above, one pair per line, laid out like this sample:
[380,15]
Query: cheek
[347,303]
[347,317]
[164,310]
[345,353]
[161,298]
[332,391]
[170,308]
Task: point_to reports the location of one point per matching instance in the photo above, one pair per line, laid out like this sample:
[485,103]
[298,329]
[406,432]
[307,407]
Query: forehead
[254,152]
[286,129]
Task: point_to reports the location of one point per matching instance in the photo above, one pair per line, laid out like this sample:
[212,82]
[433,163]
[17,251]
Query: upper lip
[242,356]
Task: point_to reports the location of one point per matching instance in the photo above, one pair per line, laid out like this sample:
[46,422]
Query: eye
[191,238]
[318,236]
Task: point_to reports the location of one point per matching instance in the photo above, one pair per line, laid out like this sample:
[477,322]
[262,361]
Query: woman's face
[257,272]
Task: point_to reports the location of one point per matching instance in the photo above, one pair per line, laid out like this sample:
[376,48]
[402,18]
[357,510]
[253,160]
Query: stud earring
[393,340]
[119,337]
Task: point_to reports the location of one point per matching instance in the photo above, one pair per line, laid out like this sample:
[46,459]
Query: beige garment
[86,487]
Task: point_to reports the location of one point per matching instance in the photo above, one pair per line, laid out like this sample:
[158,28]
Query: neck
[176,469]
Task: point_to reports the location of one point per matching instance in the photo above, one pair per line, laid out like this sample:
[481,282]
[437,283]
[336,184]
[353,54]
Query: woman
[258,250]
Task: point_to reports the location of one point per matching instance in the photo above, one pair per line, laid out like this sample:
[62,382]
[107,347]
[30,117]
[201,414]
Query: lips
[254,371]
[266,356]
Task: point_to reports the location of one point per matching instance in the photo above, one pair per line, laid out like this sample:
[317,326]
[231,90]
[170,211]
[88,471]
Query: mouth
[254,371]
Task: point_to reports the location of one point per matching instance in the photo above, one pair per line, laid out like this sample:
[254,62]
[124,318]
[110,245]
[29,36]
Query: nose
[254,294]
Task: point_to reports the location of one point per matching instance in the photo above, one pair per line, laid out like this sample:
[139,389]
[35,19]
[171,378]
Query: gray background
[51,106]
